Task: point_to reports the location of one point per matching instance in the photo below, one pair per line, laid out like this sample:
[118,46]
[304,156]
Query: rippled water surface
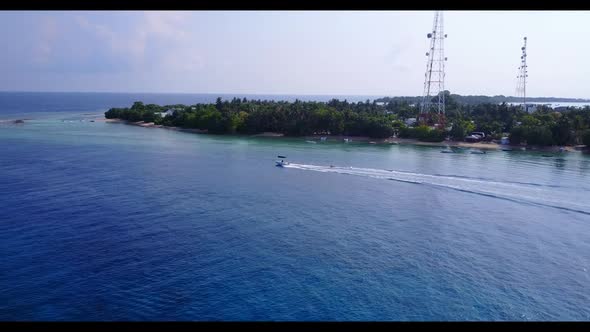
[104,221]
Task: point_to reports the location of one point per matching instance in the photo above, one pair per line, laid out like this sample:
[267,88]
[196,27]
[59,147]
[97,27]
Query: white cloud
[166,25]
[160,41]
[118,44]
[48,34]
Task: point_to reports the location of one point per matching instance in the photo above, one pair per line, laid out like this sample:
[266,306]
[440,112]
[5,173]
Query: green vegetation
[372,119]
[586,137]
[255,116]
[423,133]
[460,129]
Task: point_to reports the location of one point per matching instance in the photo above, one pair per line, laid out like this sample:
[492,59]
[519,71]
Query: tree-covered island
[395,116]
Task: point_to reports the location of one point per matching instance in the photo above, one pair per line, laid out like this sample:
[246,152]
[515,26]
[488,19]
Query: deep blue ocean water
[105,221]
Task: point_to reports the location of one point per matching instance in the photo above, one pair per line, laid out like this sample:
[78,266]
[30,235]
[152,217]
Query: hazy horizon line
[275,94]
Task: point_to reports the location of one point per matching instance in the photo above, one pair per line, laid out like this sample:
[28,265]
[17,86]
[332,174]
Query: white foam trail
[532,193]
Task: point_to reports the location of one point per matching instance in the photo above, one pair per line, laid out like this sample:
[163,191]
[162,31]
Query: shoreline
[376,141]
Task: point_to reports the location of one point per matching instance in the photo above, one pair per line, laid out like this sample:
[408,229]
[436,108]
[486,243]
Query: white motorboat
[281,162]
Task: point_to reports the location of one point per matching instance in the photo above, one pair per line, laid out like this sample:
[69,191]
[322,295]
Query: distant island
[393,117]
[474,100]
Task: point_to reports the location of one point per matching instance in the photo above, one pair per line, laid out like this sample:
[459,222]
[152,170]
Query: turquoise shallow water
[104,221]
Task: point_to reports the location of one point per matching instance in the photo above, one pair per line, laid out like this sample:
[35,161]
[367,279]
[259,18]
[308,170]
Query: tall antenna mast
[522,75]
[434,79]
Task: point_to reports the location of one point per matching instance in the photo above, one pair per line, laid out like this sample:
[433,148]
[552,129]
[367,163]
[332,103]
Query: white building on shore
[167,113]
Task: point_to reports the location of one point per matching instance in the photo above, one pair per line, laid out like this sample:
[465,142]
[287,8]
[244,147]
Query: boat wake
[521,192]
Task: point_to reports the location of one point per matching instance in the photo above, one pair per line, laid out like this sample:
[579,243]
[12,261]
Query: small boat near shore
[477,151]
[447,150]
[311,142]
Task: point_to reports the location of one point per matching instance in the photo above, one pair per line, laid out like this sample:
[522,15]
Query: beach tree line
[244,116]
[372,119]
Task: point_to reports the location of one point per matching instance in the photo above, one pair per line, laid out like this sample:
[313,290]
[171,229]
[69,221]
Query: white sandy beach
[409,141]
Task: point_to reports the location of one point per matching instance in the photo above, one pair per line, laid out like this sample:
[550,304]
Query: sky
[374,53]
